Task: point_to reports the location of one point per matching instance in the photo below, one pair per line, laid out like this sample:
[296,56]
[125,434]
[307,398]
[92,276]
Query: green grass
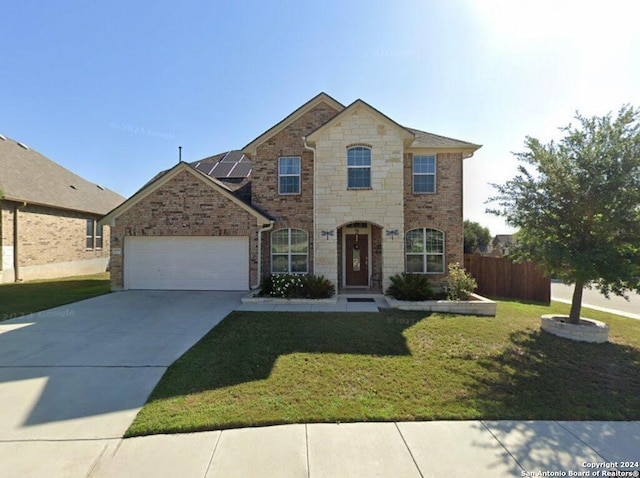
[272,368]
[22,298]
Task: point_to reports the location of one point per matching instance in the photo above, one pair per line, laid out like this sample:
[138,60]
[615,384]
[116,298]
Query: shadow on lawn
[242,349]
[542,377]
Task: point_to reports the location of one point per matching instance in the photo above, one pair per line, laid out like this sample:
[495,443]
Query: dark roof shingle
[26,175]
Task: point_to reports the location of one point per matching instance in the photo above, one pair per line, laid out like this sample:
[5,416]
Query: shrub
[317,287]
[296,286]
[460,284]
[286,285]
[410,287]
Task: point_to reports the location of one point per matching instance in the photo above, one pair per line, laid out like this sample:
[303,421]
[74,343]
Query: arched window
[359,167]
[289,251]
[424,249]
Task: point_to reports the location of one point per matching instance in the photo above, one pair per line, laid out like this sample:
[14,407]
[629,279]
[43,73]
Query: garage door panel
[187,263]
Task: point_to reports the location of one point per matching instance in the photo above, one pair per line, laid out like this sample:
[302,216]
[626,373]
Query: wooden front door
[357,260]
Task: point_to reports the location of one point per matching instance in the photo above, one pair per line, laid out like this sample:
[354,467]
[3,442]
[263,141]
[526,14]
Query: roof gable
[28,176]
[406,134]
[251,148]
[167,176]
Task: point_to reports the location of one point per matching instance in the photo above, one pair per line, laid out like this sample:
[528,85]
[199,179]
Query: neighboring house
[483,250]
[48,218]
[343,192]
[502,245]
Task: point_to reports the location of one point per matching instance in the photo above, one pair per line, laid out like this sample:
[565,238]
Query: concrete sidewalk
[412,449]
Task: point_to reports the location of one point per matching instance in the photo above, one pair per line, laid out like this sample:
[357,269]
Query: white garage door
[186,263]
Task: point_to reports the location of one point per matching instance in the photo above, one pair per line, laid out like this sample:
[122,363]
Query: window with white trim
[424,174]
[424,250]
[289,251]
[91,231]
[359,167]
[289,175]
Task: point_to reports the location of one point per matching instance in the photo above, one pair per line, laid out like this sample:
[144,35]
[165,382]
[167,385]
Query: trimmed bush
[297,286]
[317,287]
[460,284]
[410,287]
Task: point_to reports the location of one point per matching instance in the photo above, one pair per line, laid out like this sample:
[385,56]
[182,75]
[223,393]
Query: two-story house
[333,190]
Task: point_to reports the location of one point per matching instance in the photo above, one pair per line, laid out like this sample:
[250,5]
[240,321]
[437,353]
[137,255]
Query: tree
[475,235]
[578,214]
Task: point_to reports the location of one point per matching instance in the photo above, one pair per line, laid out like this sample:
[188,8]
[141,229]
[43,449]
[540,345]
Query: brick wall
[442,210]
[290,211]
[184,206]
[48,236]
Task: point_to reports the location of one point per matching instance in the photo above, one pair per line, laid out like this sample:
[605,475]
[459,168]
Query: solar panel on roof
[222,169]
[232,164]
[241,170]
[233,157]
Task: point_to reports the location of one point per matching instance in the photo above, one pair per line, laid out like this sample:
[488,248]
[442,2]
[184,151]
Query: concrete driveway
[83,371]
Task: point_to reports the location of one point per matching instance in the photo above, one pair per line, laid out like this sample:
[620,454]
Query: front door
[357,259]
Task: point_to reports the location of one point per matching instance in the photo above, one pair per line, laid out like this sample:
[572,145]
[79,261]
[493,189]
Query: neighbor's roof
[28,176]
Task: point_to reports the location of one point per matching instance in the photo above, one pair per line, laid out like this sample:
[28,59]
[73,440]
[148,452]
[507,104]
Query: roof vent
[22,145]
[3,137]
[100,187]
[72,186]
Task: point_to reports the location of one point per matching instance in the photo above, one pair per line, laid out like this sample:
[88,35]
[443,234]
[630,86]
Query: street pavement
[593,299]
[72,379]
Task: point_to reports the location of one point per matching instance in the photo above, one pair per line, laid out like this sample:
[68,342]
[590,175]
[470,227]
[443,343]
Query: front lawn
[271,368]
[23,298]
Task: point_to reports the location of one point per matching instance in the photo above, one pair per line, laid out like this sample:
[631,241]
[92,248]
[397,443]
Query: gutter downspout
[16,242]
[264,229]
[306,146]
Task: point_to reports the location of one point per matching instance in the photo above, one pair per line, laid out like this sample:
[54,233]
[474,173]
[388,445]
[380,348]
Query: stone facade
[52,243]
[337,205]
[183,206]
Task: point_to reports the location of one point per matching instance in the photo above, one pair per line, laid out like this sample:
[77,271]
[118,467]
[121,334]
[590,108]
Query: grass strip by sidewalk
[271,368]
[23,298]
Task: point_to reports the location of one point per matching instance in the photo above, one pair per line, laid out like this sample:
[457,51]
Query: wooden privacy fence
[501,277]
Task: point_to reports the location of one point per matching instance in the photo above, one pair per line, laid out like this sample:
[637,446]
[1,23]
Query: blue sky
[111,89]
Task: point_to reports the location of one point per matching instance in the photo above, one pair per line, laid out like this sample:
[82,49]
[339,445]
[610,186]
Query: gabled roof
[27,176]
[406,134]
[309,105]
[162,178]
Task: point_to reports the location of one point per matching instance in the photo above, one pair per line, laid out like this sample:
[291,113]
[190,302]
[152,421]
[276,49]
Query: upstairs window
[424,174]
[359,168]
[424,249]
[289,251]
[289,175]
